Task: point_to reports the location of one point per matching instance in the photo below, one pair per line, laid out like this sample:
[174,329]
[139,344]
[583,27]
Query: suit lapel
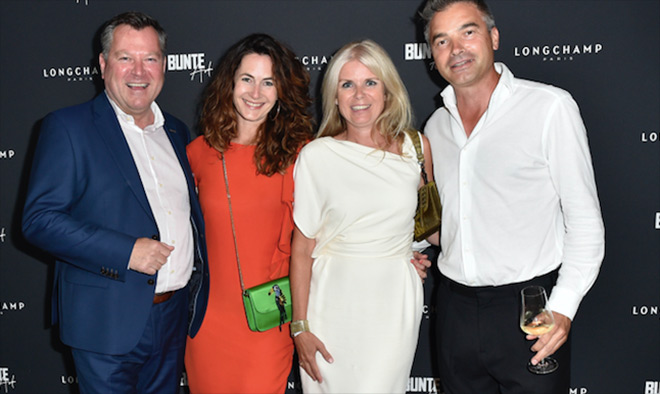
[110,131]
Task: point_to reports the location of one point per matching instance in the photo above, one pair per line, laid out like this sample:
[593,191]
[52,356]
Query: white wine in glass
[536,320]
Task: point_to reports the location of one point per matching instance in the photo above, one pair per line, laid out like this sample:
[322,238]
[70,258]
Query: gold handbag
[429,209]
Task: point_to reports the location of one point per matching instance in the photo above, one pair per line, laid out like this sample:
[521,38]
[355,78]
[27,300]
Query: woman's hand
[307,344]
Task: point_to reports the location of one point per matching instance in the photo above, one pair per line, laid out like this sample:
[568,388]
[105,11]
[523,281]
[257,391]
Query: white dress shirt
[519,196]
[167,192]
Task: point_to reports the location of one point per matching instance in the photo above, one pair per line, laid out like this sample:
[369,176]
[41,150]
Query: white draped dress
[366,298]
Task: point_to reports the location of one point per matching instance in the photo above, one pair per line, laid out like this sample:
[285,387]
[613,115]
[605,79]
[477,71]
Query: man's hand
[148,255]
[421,263]
[548,344]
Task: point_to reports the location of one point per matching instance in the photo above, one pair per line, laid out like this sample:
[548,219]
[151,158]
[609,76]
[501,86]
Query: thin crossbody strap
[233,228]
[414,136]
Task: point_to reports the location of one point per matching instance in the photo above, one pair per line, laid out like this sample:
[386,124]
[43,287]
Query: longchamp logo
[7,154]
[2,235]
[644,310]
[649,136]
[192,62]
[11,306]
[657,220]
[578,390]
[68,379]
[558,52]
[314,62]
[7,380]
[72,73]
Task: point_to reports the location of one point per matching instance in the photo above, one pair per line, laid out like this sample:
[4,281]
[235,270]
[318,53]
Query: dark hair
[288,125]
[136,20]
[433,6]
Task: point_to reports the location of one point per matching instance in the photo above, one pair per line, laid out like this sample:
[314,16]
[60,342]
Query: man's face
[134,70]
[461,45]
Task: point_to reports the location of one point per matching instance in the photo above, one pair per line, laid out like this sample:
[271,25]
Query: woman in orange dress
[255,114]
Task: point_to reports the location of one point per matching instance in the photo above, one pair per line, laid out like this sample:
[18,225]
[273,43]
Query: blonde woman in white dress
[357,300]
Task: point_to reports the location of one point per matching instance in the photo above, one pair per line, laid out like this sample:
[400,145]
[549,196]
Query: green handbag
[429,209]
[266,305]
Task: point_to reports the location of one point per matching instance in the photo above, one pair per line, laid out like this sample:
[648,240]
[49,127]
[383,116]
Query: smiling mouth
[138,85]
[360,107]
[253,105]
[461,64]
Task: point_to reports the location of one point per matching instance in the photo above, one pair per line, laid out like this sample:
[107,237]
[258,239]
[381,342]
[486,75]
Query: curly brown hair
[282,134]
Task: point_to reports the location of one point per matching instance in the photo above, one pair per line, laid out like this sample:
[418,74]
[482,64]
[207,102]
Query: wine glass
[536,320]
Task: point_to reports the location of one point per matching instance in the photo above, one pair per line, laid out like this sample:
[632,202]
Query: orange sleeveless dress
[225,356]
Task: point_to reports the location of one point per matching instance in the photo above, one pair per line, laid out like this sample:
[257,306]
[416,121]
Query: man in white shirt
[112,197]
[520,207]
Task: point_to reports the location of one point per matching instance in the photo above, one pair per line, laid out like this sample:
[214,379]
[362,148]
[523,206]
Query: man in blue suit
[112,197]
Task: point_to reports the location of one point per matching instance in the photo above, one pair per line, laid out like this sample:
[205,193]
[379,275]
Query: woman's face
[255,93]
[360,96]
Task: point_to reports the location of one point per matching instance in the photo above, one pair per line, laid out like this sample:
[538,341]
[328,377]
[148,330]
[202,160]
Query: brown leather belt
[162,297]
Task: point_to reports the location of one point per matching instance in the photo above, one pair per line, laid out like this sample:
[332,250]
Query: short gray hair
[433,6]
[136,20]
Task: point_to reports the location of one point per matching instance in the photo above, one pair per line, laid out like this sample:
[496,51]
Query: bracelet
[299,326]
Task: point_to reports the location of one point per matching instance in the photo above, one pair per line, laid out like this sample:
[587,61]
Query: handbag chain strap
[414,136]
[233,227]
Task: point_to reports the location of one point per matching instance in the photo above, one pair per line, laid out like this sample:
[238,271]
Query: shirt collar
[159,119]
[502,90]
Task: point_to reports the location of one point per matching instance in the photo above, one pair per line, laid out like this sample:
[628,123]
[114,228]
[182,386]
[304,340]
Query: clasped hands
[421,263]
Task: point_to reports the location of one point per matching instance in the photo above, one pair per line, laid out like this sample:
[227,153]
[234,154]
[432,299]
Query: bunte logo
[7,380]
[192,62]
[652,387]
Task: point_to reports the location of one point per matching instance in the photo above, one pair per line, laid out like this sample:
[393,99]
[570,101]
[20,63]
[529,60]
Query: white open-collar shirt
[519,196]
[167,192]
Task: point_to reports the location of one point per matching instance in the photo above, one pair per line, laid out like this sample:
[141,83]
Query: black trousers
[481,348]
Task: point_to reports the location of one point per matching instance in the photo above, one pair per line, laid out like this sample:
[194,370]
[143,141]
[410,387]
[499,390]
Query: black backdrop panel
[606,53]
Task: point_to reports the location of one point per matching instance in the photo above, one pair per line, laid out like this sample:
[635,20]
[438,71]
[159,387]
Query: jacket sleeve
[54,215]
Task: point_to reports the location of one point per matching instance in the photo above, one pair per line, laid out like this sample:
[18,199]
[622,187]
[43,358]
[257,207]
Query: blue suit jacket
[86,206]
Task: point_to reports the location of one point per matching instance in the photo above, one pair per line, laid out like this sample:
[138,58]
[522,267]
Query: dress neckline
[369,149]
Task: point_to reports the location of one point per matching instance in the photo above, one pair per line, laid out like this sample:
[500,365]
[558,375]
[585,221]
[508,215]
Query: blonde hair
[397,113]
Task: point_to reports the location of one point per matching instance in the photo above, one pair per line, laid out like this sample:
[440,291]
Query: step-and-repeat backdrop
[606,53]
